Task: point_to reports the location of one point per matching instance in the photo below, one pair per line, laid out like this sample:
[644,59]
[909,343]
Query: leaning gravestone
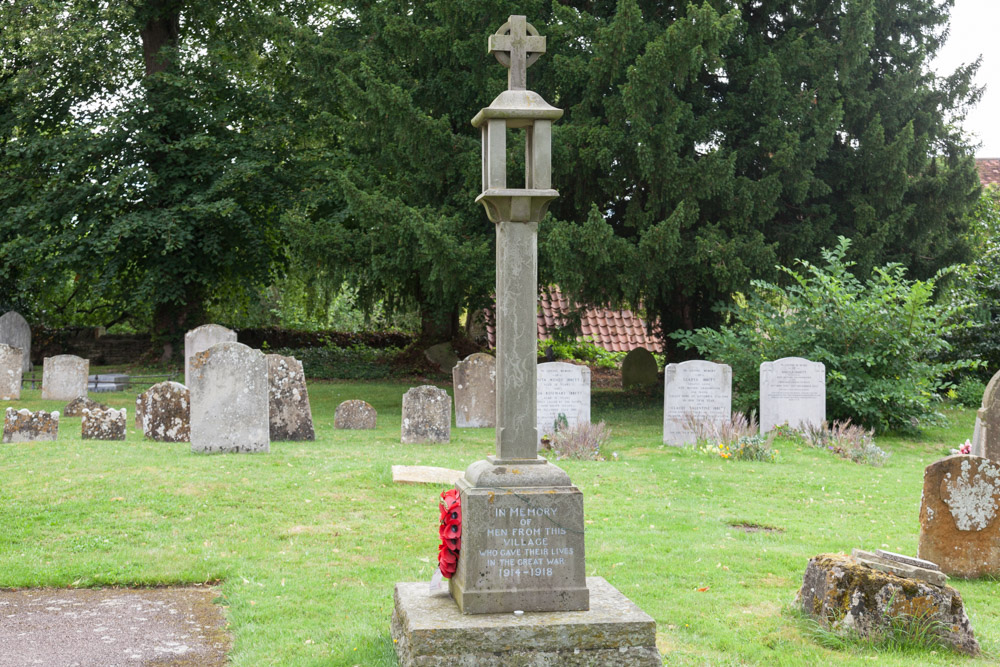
[289,412]
[200,339]
[355,414]
[695,390]
[563,390]
[163,412]
[229,401]
[426,415]
[64,377]
[639,369]
[11,371]
[986,437]
[959,529]
[14,331]
[792,391]
[475,380]
[108,424]
[26,426]
[76,407]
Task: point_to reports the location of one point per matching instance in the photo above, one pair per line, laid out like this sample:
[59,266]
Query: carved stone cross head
[517,46]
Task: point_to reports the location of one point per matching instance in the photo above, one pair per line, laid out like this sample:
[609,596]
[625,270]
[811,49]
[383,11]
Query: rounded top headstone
[639,368]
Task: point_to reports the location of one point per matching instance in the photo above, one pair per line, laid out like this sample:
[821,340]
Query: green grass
[308,541]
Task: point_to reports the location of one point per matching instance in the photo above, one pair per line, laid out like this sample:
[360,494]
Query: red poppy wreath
[450,531]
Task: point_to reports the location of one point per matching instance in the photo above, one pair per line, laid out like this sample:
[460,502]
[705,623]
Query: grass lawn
[307,541]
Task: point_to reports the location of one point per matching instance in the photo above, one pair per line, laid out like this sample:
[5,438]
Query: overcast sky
[975,31]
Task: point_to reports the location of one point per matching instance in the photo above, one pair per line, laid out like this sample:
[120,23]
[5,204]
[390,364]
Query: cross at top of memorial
[517,46]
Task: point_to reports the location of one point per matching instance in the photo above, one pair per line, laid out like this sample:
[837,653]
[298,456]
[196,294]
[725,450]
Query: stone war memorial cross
[522,523]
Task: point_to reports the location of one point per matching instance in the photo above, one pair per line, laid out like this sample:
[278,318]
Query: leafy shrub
[848,441]
[969,393]
[356,362]
[582,441]
[878,339]
[580,350]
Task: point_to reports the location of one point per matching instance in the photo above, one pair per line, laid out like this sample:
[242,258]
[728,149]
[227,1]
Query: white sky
[975,31]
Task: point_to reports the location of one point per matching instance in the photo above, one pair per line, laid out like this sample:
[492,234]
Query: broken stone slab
[107,424]
[76,407]
[425,475]
[900,569]
[846,596]
[355,414]
[909,560]
[26,426]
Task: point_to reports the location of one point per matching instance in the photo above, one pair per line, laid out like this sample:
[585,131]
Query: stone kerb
[15,331]
[26,426]
[200,339]
[11,372]
[792,391]
[986,437]
[474,380]
[426,415]
[64,377]
[289,412]
[229,400]
[959,529]
[563,390]
[108,424]
[639,369]
[695,390]
[355,414]
[163,412]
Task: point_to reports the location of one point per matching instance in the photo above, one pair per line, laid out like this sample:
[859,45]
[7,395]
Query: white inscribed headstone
[15,331]
[229,400]
[701,389]
[792,391]
[200,339]
[64,377]
[562,389]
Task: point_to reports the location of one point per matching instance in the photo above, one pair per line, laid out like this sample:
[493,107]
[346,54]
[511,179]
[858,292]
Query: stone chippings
[163,412]
[26,426]
[289,413]
[11,372]
[845,595]
[355,414]
[76,407]
[428,630]
[426,415]
[959,529]
[106,424]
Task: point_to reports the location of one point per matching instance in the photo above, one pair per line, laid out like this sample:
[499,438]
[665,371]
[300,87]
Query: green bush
[581,350]
[344,363]
[880,340]
[969,393]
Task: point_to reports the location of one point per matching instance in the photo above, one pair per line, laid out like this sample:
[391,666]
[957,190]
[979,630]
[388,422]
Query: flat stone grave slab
[107,382]
[428,630]
[113,626]
[425,475]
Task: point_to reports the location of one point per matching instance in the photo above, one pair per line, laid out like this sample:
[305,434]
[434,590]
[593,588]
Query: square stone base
[429,630]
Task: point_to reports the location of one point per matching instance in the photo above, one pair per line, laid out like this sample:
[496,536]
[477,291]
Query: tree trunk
[162,29]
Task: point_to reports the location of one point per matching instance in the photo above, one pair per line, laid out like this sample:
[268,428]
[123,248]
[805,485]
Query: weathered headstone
[563,391]
[639,369]
[163,412]
[792,391]
[441,355]
[699,390]
[26,426]
[106,424]
[64,377]
[15,331]
[475,380]
[355,414]
[11,371]
[290,414]
[229,400]
[76,407]
[426,415]
[959,529]
[986,437]
[200,339]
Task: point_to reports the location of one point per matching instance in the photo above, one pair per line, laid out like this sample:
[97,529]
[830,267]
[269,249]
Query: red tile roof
[989,170]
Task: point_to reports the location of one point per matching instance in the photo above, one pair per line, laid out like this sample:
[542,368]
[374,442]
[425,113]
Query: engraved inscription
[525,544]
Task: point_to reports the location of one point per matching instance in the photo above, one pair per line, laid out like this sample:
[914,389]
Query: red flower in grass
[450,532]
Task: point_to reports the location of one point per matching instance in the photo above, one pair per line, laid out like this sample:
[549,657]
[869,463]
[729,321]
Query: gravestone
[355,414]
[229,400]
[106,424]
[425,475]
[76,407]
[163,412]
[639,369]
[426,415]
[474,381]
[700,390]
[26,426]
[959,529]
[792,391]
[200,339]
[15,331]
[107,382]
[441,355]
[11,371]
[64,377]
[563,390]
[986,436]
[289,413]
